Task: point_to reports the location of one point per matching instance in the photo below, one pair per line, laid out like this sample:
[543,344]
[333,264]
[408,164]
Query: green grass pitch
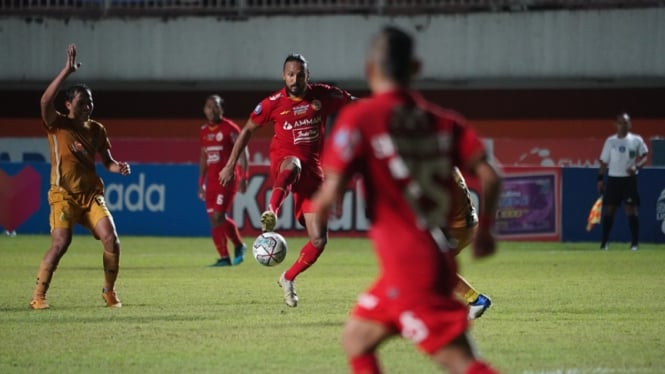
[559,308]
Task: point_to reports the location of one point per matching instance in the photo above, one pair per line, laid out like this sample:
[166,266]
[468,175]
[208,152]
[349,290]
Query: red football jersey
[406,161]
[217,140]
[299,123]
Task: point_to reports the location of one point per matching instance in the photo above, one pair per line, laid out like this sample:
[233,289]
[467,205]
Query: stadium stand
[248,8]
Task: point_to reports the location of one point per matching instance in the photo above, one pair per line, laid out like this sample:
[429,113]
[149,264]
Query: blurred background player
[77,193]
[217,137]
[622,155]
[298,115]
[405,149]
[461,229]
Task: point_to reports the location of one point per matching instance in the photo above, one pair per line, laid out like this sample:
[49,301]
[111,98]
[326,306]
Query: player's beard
[296,90]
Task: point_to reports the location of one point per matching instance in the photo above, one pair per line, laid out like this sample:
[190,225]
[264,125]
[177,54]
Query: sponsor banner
[21,193]
[548,152]
[579,187]
[529,207]
[507,152]
[160,200]
[536,203]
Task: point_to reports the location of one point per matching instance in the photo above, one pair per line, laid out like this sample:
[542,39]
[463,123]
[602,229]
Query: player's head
[213,109]
[623,123]
[295,74]
[391,59]
[78,100]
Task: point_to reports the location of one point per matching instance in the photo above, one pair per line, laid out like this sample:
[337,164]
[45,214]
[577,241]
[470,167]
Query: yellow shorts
[68,209]
[463,236]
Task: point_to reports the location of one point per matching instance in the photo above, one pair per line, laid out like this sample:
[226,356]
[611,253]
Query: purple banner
[528,206]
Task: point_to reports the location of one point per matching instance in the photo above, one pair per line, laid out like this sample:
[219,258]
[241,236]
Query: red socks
[231,230]
[219,238]
[308,256]
[480,367]
[365,364]
[281,188]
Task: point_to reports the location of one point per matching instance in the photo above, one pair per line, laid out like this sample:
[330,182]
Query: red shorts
[219,199]
[311,178]
[429,320]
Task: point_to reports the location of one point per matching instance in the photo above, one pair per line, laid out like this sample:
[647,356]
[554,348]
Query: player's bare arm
[484,242]
[49,113]
[244,170]
[327,197]
[226,175]
[114,166]
[202,172]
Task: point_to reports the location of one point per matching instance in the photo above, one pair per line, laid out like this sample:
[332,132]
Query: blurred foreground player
[406,148]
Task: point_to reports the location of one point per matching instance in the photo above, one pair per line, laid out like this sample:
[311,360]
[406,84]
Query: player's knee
[59,244]
[351,342]
[320,242]
[111,242]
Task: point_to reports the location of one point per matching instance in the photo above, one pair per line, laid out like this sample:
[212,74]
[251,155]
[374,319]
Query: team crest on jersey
[316,105]
[258,109]
[219,136]
[300,109]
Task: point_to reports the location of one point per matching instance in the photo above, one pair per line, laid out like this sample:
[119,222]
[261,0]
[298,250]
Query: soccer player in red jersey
[406,148]
[217,137]
[298,113]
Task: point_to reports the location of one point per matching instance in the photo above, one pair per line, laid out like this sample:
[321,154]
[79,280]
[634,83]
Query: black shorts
[620,189]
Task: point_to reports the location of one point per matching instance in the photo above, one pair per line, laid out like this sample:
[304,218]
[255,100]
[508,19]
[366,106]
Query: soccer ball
[269,249]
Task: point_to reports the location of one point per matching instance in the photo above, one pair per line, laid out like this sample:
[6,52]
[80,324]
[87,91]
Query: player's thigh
[65,212]
[363,335]
[99,220]
[303,193]
[462,236]
[456,356]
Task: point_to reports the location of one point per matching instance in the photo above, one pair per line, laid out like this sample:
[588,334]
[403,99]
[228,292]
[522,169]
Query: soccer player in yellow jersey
[77,193]
[461,231]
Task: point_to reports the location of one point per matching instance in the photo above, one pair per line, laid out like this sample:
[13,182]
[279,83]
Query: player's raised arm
[49,113]
[226,175]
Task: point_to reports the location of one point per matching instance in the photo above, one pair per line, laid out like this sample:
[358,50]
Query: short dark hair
[72,90]
[397,53]
[296,57]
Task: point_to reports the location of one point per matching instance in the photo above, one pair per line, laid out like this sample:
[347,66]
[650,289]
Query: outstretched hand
[72,65]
